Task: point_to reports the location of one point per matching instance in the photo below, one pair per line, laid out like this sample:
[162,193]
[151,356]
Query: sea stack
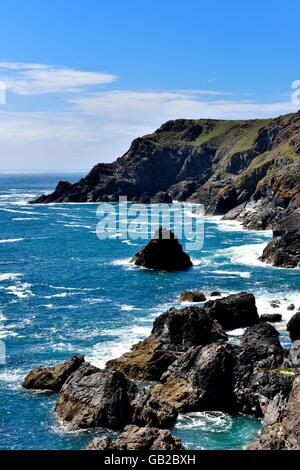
[163,253]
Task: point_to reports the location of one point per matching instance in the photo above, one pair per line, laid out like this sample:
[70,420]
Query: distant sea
[65,292]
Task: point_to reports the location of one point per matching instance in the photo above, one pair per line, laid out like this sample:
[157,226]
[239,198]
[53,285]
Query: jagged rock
[162,197]
[281,425]
[201,379]
[259,369]
[149,411]
[284,249]
[163,253]
[233,311]
[174,332]
[293,327]
[93,397]
[271,317]
[136,438]
[52,378]
[192,296]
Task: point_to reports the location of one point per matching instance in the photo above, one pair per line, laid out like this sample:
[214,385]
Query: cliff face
[248,170]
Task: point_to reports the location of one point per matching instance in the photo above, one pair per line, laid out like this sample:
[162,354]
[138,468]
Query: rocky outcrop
[284,249]
[260,370]
[163,253]
[92,397]
[174,332]
[281,425]
[135,438]
[201,379]
[293,327]
[248,170]
[52,378]
[192,296]
[233,311]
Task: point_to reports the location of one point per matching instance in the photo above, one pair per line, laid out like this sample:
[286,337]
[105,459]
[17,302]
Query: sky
[79,80]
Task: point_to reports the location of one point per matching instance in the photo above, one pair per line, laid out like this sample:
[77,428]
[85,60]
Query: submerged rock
[136,438]
[52,378]
[233,311]
[293,327]
[271,317]
[192,296]
[163,253]
[92,397]
[174,332]
[201,379]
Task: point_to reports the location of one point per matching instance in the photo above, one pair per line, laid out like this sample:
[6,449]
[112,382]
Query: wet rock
[174,332]
[291,307]
[233,311]
[215,293]
[293,327]
[92,397]
[201,379]
[161,197]
[273,305]
[163,253]
[52,378]
[192,296]
[271,317]
[136,438]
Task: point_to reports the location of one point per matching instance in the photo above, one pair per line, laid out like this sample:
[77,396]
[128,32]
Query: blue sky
[83,78]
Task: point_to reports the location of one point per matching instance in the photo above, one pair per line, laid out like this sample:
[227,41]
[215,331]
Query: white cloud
[36,79]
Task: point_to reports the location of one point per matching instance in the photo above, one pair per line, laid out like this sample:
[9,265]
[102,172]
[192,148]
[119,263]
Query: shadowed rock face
[163,253]
[92,397]
[293,327]
[135,438]
[52,378]
[248,170]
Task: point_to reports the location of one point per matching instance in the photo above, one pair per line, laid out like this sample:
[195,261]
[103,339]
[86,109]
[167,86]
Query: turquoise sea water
[65,292]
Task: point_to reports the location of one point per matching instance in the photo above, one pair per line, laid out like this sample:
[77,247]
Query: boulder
[293,327]
[233,311]
[271,317]
[92,397]
[291,307]
[162,197]
[215,293]
[192,296]
[201,379]
[163,253]
[174,332]
[52,378]
[136,438]
[149,411]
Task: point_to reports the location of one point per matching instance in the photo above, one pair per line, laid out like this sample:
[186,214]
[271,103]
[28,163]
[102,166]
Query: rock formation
[163,253]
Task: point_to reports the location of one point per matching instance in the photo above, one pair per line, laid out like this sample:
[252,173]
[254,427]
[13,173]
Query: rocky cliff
[248,170]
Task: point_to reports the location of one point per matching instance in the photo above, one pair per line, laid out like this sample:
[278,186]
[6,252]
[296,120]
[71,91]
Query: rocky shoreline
[244,170]
[186,364]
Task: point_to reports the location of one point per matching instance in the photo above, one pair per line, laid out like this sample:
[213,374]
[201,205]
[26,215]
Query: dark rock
[258,370]
[149,411]
[284,249]
[163,253]
[215,293]
[291,307]
[192,296]
[271,317]
[201,379]
[92,397]
[233,311]
[173,332]
[161,197]
[52,378]
[281,425]
[273,305]
[293,327]
[136,438]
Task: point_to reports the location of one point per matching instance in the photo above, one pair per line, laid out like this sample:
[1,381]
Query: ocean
[64,292]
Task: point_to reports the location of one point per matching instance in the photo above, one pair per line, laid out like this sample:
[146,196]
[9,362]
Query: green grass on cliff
[221,128]
[250,134]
